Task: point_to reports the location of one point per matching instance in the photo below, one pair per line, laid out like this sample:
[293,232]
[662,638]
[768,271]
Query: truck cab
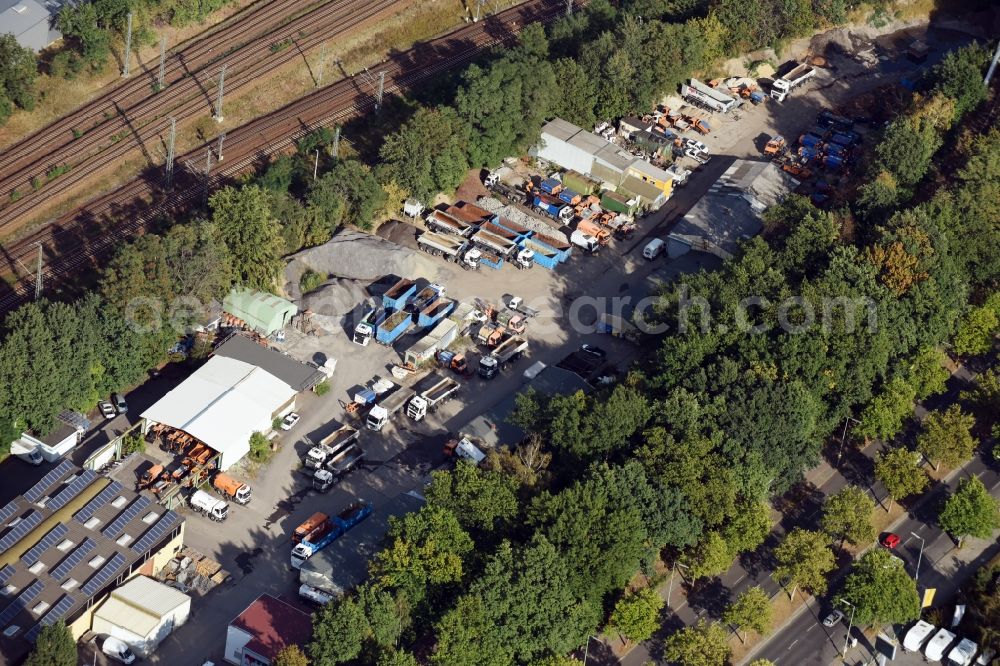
[488,367]
[417,409]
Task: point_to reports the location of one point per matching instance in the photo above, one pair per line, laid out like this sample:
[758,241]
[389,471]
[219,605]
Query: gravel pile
[518,216]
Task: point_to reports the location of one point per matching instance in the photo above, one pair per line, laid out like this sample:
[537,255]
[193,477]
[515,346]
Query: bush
[36,183]
[322,388]
[260,446]
[133,444]
[311,280]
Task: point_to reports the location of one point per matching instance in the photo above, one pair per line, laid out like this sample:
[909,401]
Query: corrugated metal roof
[28,21]
[265,313]
[140,604]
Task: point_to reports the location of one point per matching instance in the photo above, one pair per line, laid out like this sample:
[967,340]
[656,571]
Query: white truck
[452,248]
[213,507]
[26,451]
[431,392]
[708,97]
[917,636]
[387,407]
[364,330]
[585,242]
[338,466]
[936,648]
[509,350]
[799,75]
[963,653]
[329,446]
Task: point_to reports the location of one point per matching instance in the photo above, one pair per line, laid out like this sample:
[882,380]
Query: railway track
[78,241]
[122,129]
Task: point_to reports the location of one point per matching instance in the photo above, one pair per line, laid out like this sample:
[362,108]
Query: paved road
[943,566]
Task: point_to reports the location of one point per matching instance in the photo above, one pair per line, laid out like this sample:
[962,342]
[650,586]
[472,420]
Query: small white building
[54,445]
[142,612]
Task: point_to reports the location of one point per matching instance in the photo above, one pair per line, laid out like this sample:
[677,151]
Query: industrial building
[32,23]
[574,148]
[261,313]
[141,613]
[261,631]
[66,543]
[730,212]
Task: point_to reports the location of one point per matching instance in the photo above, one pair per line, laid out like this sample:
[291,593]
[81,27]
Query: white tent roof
[222,404]
[141,604]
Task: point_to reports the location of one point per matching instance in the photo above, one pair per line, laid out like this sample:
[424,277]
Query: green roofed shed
[264,313]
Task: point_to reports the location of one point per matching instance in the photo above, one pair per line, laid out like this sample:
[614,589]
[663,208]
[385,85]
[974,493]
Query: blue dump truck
[339,525]
[399,295]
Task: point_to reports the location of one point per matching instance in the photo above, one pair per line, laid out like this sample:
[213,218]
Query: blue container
[550,185]
[836,149]
[568,195]
[833,162]
[484,261]
[810,140]
[808,154]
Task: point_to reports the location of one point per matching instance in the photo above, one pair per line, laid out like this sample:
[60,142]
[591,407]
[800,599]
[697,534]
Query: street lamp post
[586,650]
[843,436]
[850,624]
[920,556]
[670,587]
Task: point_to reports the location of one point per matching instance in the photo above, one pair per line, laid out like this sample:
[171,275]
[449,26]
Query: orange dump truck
[315,525]
[232,488]
[602,234]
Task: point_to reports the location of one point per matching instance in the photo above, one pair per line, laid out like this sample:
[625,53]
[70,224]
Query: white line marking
[793,644]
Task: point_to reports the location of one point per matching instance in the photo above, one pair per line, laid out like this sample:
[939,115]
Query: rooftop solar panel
[23,599]
[36,492]
[55,614]
[156,532]
[20,530]
[105,496]
[73,559]
[6,573]
[115,528]
[101,578]
[85,478]
[54,536]
[8,511]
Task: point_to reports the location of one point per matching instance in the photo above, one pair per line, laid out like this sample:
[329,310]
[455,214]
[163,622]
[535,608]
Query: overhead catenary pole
[381,89]
[218,101]
[569,7]
[163,56]
[316,165]
[208,169]
[993,67]
[128,46]
[222,138]
[321,65]
[170,153]
[336,142]
[38,273]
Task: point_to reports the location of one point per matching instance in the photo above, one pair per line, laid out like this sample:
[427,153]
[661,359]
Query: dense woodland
[519,562]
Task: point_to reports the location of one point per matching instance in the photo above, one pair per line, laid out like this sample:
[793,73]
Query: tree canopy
[970,511]
[881,590]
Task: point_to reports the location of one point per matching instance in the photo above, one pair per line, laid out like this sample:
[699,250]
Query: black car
[594,350]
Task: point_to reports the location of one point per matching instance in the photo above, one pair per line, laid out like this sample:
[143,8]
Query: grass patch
[278,47]
[311,280]
[57,171]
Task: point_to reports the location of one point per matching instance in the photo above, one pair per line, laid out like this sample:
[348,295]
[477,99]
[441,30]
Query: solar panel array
[22,600]
[51,539]
[115,528]
[37,491]
[85,478]
[105,496]
[55,613]
[6,573]
[156,532]
[101,578]
[73,559]
[20,530]
[8,511]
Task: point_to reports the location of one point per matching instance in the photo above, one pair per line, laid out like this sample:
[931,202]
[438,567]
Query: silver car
[833,619]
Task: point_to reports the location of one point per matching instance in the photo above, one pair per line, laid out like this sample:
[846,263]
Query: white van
[653,248]
[117,650]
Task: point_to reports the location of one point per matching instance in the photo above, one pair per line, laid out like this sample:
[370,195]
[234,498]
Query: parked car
[697,155]
[890,540]
[107,409]
[119,403]
[653,248]
[594,350]
[694,144]
[833,619]
[289,421]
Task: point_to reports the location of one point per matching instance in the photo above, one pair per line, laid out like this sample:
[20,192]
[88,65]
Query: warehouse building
[730,212]
[141,613]
[239,391]
[261,631]
[66,543]
[32,23]
[261,313]
[574,148]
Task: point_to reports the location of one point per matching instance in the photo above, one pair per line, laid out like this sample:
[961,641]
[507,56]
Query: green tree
[428,153]
[927,373]
[53,647]
[703,644]
[970,511]
[986,393]
[884,416]
[959,76]
[557,660]
[481,500]
[363,196]
[339,632]
[881,590]
[804,560]
[761,662]
[748,527]
[394,657]
[18,69]
[577,91]
[711,557]
[325,209]
[848,516]
[978,328]
[79,24]
[637,616]
[243,219]
[947,437]
[291,655]
[750,612]
[900,472]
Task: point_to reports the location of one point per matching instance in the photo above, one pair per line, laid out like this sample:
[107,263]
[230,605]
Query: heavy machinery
[776,146]
[232,488]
